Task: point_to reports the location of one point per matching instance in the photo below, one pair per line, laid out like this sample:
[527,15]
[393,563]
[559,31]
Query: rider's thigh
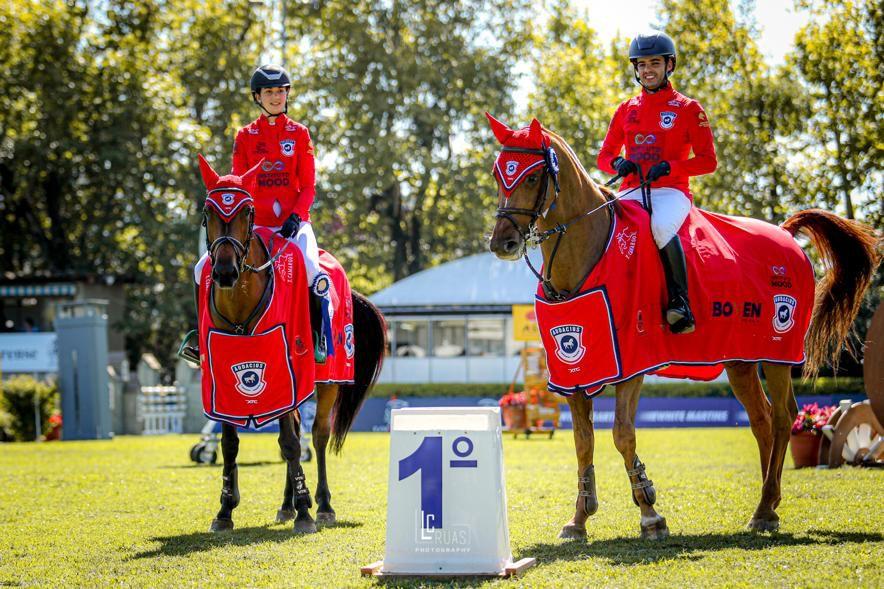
[671,208]
[306,241]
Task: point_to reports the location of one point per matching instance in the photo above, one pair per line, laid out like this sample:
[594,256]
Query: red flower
[812,418]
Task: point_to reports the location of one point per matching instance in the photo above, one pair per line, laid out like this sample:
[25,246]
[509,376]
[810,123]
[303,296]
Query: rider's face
[651,71]
[273,99]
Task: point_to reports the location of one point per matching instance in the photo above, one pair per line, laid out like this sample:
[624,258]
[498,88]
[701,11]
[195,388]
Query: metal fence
[161,410]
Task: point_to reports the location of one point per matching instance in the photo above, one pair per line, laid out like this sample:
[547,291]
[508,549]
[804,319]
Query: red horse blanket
[338,368]
[258,376]
[751,289]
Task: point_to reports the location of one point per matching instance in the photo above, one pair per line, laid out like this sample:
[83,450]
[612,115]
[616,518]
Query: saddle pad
[339,367]
[750,285]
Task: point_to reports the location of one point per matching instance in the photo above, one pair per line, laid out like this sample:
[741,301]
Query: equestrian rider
[285,184]
[659,129]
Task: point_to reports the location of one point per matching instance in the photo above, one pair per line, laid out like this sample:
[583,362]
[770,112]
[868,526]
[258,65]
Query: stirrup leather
[643,483]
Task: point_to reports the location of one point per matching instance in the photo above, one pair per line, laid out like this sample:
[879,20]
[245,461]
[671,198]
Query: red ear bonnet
[226,195]
[512,167]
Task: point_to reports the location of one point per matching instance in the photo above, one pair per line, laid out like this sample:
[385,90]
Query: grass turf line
[134,511]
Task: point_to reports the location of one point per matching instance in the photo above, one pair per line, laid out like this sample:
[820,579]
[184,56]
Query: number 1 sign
[446,503]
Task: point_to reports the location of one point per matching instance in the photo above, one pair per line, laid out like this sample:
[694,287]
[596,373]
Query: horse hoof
[757,524]
[284,516]
[305,526]
[572,532]
[326,518]
[221,525]
[657,530]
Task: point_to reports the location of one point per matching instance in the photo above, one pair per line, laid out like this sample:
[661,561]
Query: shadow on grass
[219,464]
[185,544]
[632,550]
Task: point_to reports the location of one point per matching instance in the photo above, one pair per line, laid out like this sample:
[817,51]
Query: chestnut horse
[582,218]
[240,274]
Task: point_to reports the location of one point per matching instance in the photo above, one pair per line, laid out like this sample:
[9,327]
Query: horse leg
[326,395]
[290,445]
[785,409]
[584,440]
[230,485]
[653,525]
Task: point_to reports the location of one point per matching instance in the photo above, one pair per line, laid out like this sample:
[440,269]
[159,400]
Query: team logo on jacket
[667,119]
[249,378]
[569,343]
[784,313]
[288,147]
[349,346]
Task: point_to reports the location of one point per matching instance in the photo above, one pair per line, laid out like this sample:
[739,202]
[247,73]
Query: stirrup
[188,352]
[320,349]
[679,317]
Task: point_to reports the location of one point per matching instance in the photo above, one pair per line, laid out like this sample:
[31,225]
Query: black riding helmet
[269,76]
[650,44]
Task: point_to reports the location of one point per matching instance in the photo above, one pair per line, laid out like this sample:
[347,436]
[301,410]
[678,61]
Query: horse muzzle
[225,275]
[507,244]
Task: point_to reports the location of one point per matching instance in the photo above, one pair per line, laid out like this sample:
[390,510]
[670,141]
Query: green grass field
[135,512]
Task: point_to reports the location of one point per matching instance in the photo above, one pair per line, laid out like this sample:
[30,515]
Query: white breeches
[306,242]
[671,208]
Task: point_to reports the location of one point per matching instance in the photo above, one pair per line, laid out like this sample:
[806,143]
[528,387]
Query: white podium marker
[446,500]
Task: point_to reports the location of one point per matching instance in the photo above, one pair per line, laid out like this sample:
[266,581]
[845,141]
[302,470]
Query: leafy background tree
[105,104]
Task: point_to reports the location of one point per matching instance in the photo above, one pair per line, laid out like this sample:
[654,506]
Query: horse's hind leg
[584,440]
[326,395]
[785,409]
[230,486]
[653,525]
[290,444]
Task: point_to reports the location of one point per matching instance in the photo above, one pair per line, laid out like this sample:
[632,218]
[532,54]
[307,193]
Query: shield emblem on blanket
[569,343]
[784,311]
[249,378]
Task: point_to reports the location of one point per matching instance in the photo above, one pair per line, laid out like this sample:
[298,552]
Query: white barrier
[446,501]
[161,410]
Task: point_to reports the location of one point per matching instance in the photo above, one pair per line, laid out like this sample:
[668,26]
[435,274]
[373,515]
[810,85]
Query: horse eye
[532,178]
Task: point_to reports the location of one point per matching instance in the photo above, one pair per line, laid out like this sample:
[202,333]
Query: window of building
[411,338]
[449,338]
[486,337]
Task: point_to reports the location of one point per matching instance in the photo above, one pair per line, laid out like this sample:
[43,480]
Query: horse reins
[533,238]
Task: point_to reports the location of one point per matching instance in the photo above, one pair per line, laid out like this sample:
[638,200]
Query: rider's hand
[291,225]
[624,166]
[658,170]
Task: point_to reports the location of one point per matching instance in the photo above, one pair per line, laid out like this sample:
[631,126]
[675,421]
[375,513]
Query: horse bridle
[240,250]
[532,237]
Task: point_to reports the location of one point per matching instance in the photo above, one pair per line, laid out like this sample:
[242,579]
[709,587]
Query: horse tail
[370,334]
[849,251]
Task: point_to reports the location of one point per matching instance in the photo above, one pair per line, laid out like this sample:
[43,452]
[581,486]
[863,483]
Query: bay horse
[556,203]
[241,268]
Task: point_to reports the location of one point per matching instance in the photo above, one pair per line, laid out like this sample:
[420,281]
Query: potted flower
[513,407]
[806,434]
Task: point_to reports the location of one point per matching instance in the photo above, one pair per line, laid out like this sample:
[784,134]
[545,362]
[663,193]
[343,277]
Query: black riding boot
[189,348]
[678,312]
[320,346]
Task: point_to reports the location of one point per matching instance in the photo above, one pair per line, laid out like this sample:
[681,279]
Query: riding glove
[291,225]
[624,166]
[658,170]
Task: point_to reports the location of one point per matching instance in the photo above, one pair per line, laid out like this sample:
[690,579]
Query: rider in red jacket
[660,128]
[285,185]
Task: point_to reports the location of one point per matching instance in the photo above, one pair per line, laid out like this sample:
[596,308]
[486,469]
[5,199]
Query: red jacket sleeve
[306,171]
[240,163]
[613,143]
[702,144]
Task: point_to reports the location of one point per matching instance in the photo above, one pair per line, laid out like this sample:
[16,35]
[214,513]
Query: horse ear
[248,179]
[535,133]
[500,130]
[210,176]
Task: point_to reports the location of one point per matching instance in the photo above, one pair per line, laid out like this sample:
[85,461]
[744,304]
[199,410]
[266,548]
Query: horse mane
[606,192]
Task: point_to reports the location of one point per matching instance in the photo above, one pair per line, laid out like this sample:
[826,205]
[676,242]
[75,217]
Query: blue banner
[652,412]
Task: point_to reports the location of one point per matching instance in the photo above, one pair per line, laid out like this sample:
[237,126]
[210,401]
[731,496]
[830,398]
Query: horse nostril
[510,246]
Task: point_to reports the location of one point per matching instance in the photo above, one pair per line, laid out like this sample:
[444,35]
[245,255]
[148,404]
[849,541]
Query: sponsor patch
[667,119]
[641,139]
[349,346]
[626,242]
[511,167]
[291,127]
[227,198]
[569,343]
[253,131]
[250,378]
[276,166]
[784,313]
[287,146]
